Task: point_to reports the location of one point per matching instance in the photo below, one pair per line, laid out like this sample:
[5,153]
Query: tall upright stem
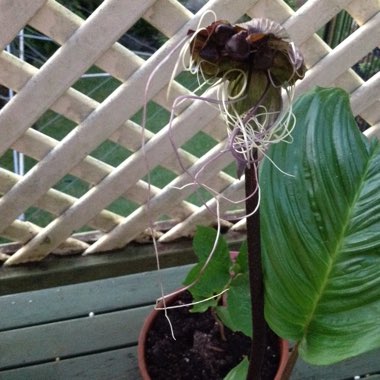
[255,275]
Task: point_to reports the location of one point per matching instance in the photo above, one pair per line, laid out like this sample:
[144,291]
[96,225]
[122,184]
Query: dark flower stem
[255,274]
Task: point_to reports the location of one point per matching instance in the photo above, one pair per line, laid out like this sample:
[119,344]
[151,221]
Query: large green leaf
[321,232]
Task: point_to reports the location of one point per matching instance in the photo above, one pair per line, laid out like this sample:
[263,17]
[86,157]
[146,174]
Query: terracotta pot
[284,346]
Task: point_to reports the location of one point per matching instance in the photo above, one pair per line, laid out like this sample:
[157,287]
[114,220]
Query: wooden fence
[93,42]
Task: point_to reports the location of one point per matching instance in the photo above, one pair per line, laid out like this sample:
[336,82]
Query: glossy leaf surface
[321,232]
[223,272]
[210,280]
[239,372]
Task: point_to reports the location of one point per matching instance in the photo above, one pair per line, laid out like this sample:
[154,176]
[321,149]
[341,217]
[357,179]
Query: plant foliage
[221,273]
[321,232]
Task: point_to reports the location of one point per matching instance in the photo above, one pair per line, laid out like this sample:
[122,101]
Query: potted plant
[211,337]
[314,243]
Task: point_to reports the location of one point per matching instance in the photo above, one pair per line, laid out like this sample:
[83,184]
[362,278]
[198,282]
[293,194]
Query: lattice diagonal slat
[91,122]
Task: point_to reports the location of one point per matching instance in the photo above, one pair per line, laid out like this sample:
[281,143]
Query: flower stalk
[255,64]
[259,325]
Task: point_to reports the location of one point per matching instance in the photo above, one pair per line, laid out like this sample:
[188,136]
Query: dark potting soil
[199,351]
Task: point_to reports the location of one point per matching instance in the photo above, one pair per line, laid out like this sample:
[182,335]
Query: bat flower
[256,61]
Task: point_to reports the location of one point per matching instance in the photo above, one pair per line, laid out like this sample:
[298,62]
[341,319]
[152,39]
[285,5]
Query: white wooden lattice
[89,42]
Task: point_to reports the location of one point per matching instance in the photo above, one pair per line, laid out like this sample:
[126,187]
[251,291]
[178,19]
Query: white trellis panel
[85,43]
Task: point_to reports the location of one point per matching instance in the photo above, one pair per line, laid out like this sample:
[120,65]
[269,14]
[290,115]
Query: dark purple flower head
[257,60]
[222,49]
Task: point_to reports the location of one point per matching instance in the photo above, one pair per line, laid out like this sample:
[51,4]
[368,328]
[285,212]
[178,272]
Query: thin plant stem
[258,346]
[290,364]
